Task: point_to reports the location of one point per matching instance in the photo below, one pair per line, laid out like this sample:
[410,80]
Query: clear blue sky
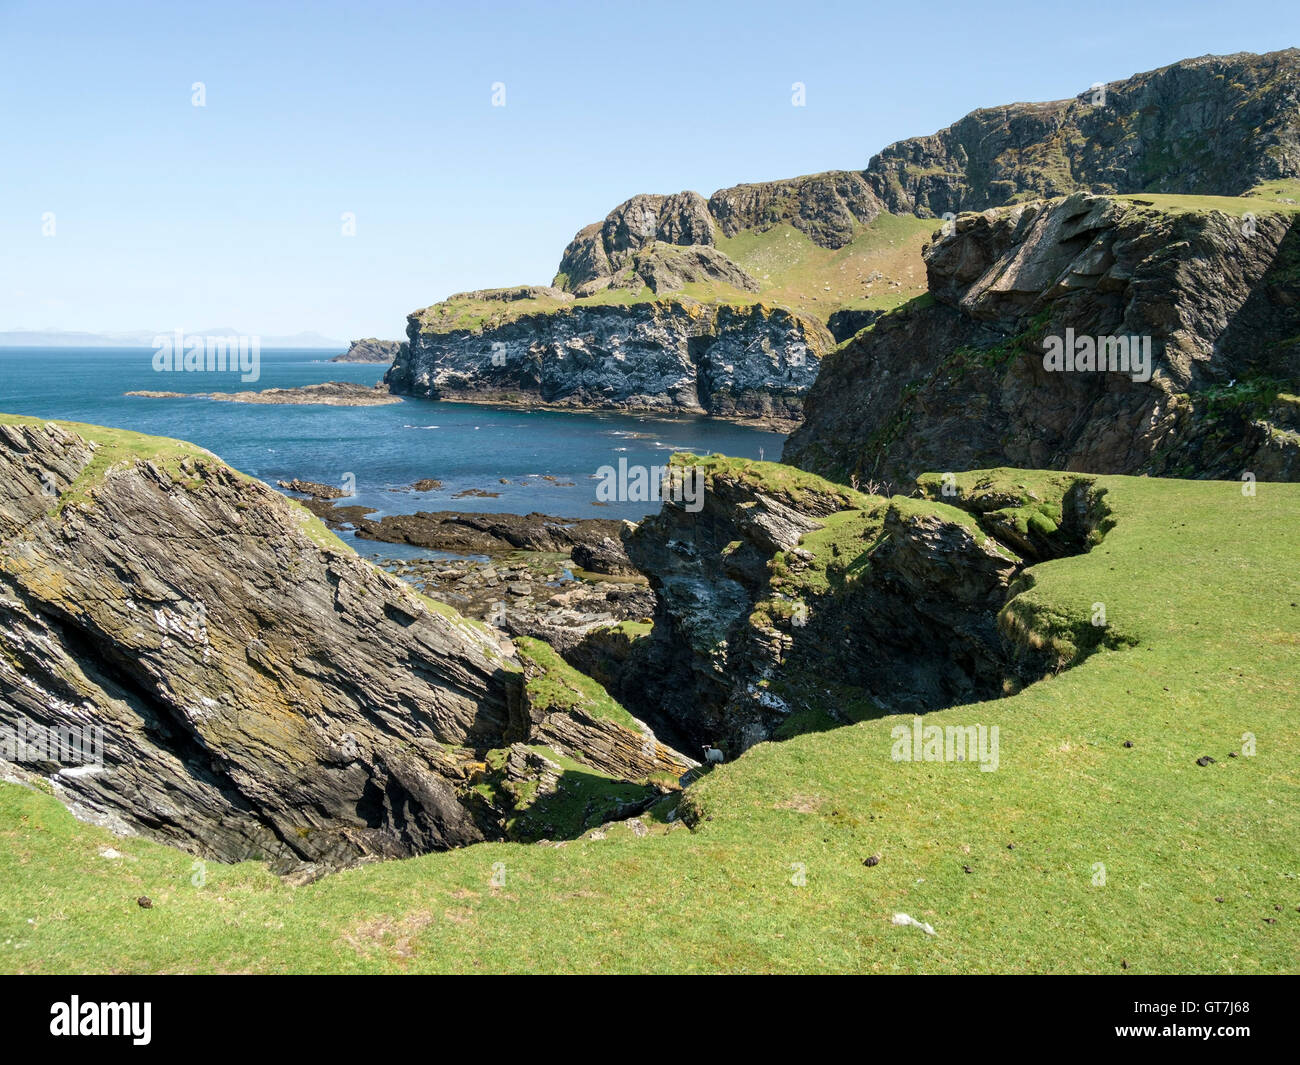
[169,215]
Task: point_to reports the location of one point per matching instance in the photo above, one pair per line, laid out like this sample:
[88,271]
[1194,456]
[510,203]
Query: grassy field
[1078,854]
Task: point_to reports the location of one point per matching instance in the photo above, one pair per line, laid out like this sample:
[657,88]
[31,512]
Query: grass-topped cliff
[829,253]
[737,330]
[879,268]
[957,380]
[1099,844]
[263,692]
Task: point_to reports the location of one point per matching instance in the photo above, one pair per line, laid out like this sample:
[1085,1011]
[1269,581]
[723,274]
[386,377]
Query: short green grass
[1084,855]
[1267,197]
[794,272]
[583,797]
[1281,190]
[559,687]
[772,478]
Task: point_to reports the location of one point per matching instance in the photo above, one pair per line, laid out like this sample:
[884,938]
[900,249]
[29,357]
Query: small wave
[421,426]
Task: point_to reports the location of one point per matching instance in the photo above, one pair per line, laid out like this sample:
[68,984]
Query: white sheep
[713,756]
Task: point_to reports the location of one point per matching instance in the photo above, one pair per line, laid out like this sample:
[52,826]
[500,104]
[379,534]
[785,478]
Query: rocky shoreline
[532,594]
[512,400]
[328,393]
[596,541]
[531,575]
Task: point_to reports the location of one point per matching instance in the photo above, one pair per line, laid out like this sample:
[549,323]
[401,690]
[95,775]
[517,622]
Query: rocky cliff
[959,380]
[1217,125]
[262,691]
[828,208]
[667,355]
[789,603]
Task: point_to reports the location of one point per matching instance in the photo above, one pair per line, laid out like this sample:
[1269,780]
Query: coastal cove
[550,459]
[649,563]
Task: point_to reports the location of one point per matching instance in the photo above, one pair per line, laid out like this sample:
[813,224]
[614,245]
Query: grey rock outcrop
[757,621]
[961,383]
[826,207]
[263,692]
[1217,125]
[602,249]
[671,354]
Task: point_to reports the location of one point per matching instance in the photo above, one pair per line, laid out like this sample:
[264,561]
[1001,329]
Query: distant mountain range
[144,338]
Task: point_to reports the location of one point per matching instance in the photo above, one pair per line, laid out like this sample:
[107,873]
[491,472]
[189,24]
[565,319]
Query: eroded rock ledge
[264,692]
[789,603]
[957,381]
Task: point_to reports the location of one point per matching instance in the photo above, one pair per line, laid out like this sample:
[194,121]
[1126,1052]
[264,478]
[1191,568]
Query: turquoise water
[385,448]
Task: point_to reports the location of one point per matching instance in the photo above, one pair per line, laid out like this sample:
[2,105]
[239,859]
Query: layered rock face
[667,355]
[960,383]
[262,691]
[1217,125]
[788,602]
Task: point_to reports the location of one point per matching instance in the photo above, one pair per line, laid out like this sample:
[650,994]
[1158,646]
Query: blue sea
[385,449]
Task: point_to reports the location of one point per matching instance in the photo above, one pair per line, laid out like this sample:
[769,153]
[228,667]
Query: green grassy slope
[794,272]
[880,269]
[791,270]
[772,879]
